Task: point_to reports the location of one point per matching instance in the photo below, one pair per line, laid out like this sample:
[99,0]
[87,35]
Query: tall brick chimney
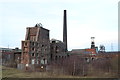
[65,29]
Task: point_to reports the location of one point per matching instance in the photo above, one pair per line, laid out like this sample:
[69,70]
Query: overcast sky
[85,19]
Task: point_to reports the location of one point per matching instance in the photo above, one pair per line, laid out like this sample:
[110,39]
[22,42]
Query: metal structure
[102,48]
[92,43]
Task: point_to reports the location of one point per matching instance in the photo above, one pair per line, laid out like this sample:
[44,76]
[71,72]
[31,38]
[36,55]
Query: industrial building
[57,50]
[39,53]
[36,47]
[10,57]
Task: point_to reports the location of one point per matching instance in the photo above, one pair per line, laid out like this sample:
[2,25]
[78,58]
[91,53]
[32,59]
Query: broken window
[56,49]
[33,49]
[32,43]
[45,61]
[36,44]
[33,61]
[44,49]
[33,54]
[25,43]
[25,49]
[38,62]
[42,45]
[42,61]
[55,57]
[37,54]
[34,38]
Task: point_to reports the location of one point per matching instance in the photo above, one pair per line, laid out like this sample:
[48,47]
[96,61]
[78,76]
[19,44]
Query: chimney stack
[65,29]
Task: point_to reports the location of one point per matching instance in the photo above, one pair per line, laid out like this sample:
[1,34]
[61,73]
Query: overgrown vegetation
[74,67]
[106,67]
[14,73]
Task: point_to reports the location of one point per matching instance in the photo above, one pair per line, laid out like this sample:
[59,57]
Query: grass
[15,73]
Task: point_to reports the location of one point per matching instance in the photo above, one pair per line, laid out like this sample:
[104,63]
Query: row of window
[43,47]
[33,38]
[32,44]
[60,57]
[33,55]
[43,61]
[36,44]
[38,50]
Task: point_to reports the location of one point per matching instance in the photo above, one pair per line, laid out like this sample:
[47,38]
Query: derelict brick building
[57,50]
[36,47]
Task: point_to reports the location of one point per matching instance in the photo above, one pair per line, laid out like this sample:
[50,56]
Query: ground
[14,73]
